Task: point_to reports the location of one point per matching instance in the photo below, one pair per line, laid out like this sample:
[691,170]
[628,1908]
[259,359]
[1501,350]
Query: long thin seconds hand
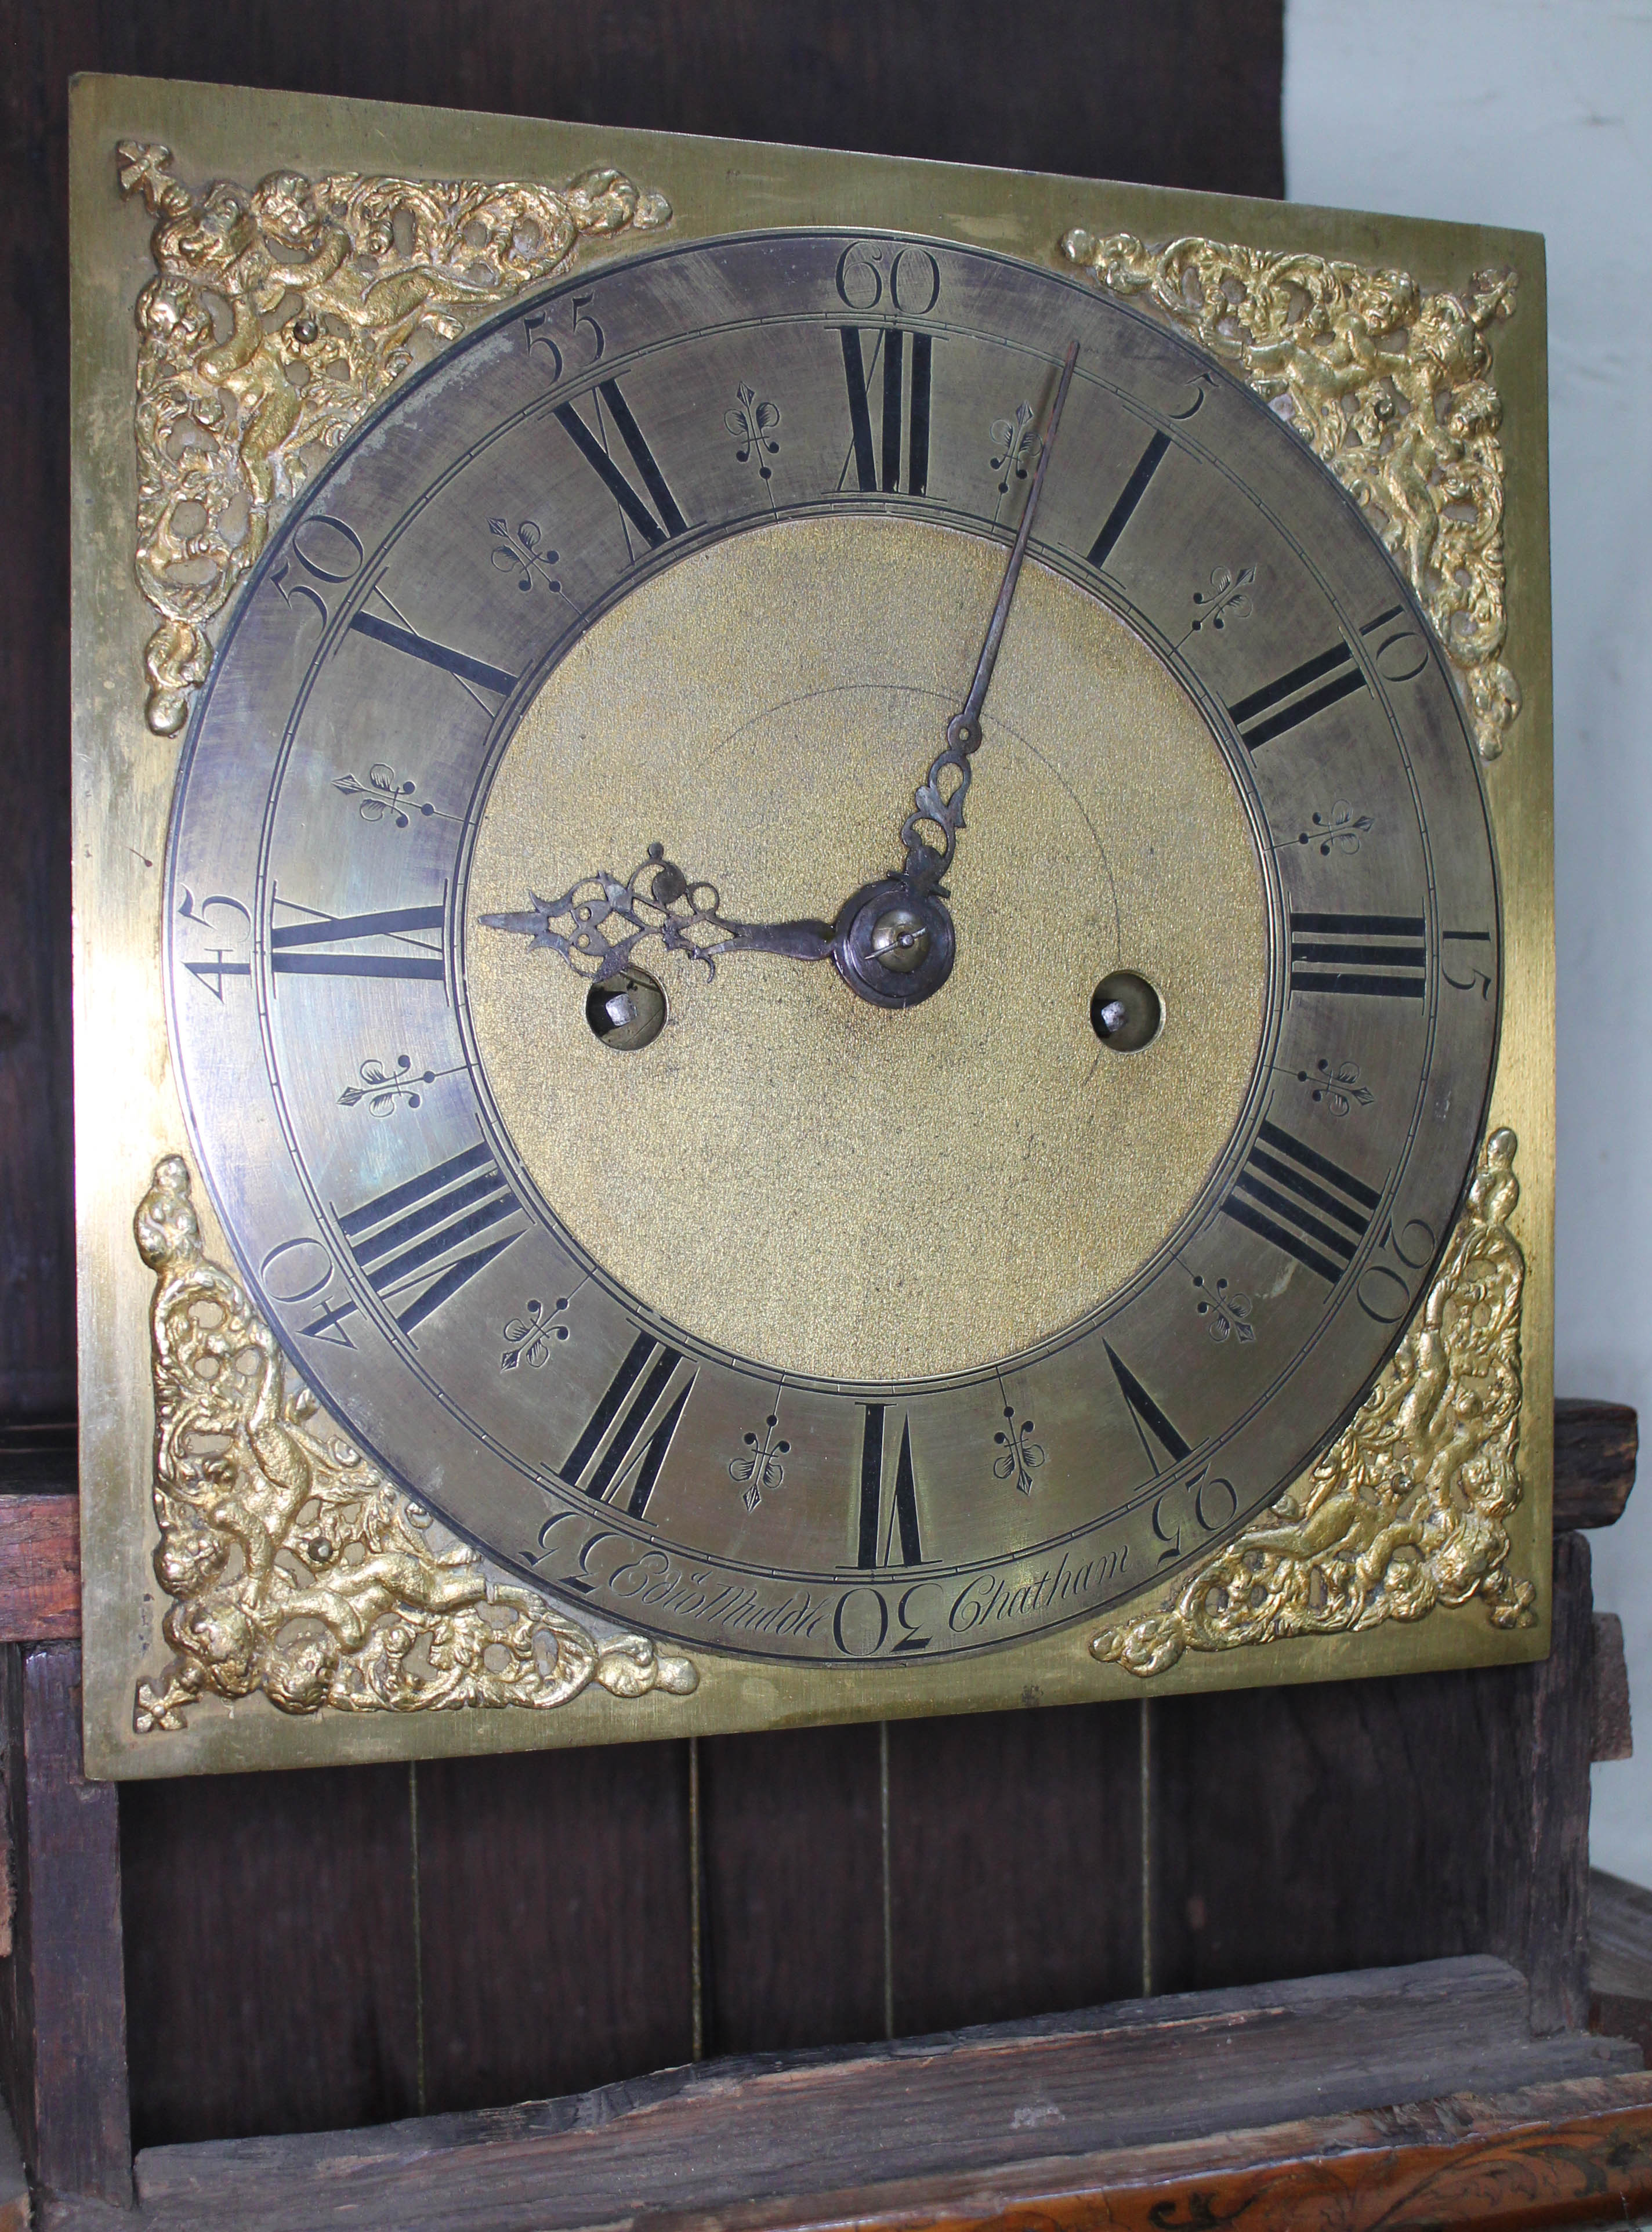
[926,863]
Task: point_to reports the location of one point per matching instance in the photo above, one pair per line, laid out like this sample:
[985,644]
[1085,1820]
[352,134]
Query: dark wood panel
[1410,1818]
[792,1837]
[1014,1863]
[553,1904]
[269,1952]
[62,2013]
[1596,1446]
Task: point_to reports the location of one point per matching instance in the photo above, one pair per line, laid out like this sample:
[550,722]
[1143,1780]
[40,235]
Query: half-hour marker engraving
[637,1451]
[524,554]
[385,1087]
[1280,706]
[876,1534]
[1302,1201]
[415,1236]
[1376,956]
[290,944]
[665,520]
[528,1338]
[1150,1422]
[763,1464]
[386,797]
[878,468]
[1131,494]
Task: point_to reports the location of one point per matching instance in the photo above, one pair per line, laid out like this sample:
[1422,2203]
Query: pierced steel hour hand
[943,809]
[597,923]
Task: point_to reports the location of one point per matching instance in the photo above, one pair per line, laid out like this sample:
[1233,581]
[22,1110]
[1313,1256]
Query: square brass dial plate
[256,276]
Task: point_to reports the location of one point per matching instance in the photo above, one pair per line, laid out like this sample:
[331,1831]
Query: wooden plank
[793,1949]
[1375,1821]
[554,1906]
[1135,2076]
[62,2011]
[1573,2154]
[1596,1446]
[270,1967]
[1014,1863]
[40,1569]
[1612,1734]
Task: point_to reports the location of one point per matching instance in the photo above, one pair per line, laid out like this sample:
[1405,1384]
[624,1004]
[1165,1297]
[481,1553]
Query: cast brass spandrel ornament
[1390,387]
[296,1570]
[1408,1509]
[279,316]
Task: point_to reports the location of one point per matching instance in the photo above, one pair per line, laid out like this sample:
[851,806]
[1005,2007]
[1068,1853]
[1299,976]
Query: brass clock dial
[516,835]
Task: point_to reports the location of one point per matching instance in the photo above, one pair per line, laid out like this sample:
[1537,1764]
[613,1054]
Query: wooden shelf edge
[1581,2147]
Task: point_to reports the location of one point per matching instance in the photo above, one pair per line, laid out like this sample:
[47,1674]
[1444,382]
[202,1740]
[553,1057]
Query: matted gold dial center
[801,1176]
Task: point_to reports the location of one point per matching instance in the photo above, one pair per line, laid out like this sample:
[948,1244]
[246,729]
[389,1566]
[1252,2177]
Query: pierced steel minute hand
[926,863]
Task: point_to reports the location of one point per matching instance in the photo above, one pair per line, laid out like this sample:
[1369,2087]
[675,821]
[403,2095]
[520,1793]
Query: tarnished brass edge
[1406,1511]
[279,316]
[296,1569]
[1390,388]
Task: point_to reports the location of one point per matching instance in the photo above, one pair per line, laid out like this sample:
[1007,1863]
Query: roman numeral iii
[1376,956]
[1302,1201]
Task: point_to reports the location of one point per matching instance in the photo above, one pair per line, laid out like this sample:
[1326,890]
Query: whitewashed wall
[1538,113]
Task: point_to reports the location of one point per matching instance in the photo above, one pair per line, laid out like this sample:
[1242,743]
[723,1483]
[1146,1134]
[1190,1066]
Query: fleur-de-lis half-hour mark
[384,797]
[1337,1089]
[761,1467]
[520,553]
[1016,445]
[1021,1456]
[1339,830]
[385,1090]
[1226,599]
[1227,1311]
[527,1338]
[752,424]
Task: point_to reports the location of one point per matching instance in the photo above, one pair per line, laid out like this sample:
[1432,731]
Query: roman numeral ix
[415,1240]
[1382,955]
[1302,1201]
[877,466]
[877,1533]
[627,1437]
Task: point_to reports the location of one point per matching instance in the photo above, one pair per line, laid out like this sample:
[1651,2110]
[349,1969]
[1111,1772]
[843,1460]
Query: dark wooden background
[314,1949]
